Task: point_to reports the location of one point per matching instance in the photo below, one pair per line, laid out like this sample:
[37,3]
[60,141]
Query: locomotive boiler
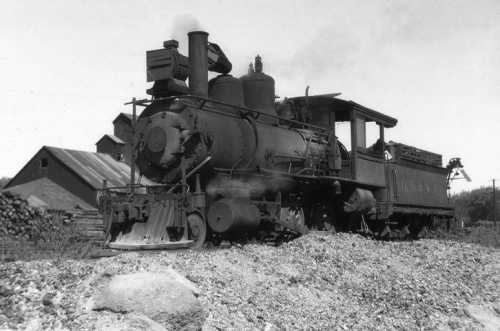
[229,161]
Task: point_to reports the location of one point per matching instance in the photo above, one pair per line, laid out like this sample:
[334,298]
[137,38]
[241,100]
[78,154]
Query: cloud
[181,25]
[383,34]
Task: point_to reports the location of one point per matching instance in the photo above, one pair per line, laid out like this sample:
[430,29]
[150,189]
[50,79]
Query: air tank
[258,89]
[226,88]
[228,215]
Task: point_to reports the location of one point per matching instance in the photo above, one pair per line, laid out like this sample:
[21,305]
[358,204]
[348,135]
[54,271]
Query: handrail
[146,102]
[134,185]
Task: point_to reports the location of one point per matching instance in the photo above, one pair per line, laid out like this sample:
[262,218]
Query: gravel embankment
[317,282]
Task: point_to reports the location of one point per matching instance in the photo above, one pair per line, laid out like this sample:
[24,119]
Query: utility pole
[494,204]
[132,164]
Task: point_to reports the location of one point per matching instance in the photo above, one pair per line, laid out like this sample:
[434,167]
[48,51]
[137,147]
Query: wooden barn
[118,144]
[114,146]
[78,172]
[122,130]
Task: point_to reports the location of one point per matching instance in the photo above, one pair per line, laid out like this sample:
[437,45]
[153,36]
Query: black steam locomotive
[229,161]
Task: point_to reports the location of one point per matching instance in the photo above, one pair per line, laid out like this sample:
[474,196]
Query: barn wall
[58,173]
[123,130]
[111,148]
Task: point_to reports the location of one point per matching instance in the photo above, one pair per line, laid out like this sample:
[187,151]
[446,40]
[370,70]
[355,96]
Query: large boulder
[128,322]
[485,315]
[166,298]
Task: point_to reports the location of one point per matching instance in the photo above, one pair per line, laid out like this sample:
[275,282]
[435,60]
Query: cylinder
[198,63]
[227,215]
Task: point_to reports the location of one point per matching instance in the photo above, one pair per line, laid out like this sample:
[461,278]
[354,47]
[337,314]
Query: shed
[46,194]
[111,145]
[122,125]
[122,129]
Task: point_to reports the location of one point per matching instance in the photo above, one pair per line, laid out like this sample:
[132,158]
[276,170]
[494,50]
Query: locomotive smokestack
[198,63]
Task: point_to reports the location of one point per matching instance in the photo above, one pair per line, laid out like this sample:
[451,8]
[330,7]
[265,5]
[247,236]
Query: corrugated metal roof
[95,167]
[45,193]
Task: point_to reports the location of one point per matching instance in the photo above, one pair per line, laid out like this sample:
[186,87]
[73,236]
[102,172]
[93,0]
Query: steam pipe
[189,174]
[198,63]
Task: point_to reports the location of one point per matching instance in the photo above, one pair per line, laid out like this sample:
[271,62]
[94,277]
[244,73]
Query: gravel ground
[317,282]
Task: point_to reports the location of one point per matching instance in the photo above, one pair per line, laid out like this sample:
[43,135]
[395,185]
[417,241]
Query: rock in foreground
[158,296]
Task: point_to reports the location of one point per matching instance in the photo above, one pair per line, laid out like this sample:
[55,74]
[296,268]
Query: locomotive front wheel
[423,233]
[197,230]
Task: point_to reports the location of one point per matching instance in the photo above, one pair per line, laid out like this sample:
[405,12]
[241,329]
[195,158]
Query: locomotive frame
[367,171]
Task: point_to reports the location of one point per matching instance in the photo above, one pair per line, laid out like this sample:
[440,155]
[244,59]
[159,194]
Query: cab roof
[321,105]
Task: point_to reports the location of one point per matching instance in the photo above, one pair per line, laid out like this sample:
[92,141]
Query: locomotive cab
[404,185]
[331,113]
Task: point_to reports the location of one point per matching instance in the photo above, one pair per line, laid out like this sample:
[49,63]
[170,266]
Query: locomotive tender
[231,161]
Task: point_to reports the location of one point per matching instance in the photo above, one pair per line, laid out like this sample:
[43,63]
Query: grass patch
[485,235]
[59,241]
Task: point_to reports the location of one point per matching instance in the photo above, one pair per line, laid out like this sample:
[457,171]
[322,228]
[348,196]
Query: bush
[4,181]
[476,205]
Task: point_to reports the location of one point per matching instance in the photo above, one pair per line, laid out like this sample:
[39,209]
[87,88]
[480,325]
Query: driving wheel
[197,230]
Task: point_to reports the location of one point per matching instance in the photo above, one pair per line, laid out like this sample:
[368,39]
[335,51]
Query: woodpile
[21,221]
[28,233]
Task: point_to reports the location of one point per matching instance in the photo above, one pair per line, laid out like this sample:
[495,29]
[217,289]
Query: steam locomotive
[229,161]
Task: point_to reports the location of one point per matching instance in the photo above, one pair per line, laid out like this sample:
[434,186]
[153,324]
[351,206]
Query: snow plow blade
[151,222]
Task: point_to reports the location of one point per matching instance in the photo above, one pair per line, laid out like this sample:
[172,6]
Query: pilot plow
[151,217]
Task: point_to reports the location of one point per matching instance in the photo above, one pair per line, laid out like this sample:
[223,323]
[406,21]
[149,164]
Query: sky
[67,67]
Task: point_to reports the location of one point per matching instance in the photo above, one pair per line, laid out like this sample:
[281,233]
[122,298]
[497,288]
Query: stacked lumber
[90,224]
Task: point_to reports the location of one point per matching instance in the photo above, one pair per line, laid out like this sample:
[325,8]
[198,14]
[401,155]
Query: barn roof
[45,193]
[113,138]
[93,168]
[125,116]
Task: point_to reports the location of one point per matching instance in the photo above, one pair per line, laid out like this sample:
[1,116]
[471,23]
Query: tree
[476,204]
[4,181]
